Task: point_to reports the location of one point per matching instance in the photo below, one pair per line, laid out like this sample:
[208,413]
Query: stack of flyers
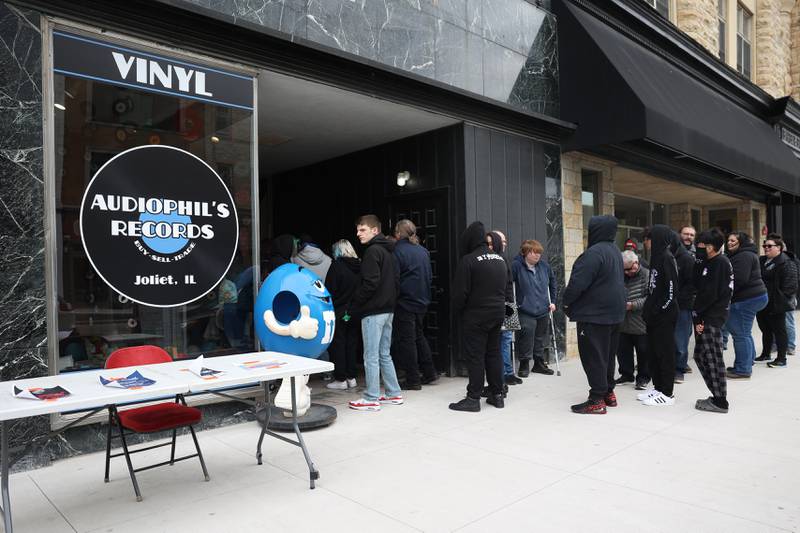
[133,381]
[269,365]
[197,368]
[49,394]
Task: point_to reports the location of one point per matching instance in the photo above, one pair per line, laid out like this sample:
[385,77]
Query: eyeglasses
[769,245]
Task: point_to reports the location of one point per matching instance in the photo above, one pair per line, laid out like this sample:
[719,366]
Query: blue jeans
[376,331]
[790,329]
[505,349]
[740,327]
[683,330]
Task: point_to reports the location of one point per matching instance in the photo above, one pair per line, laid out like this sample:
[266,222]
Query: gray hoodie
[314,259]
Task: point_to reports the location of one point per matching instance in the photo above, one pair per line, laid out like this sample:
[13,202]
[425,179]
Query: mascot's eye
[319,286]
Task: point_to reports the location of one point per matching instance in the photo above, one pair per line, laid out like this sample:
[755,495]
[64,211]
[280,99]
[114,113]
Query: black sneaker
[524,368]
[430,380]
[486,393]
[590,407]
[467,404]
[687,370]
[541,368]
[732,374]
[762,358]
[623,379]
[641,384]
[777,363]
[730,369]
[496,400]
[512,380]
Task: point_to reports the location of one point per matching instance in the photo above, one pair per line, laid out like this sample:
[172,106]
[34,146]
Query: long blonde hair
[343,248]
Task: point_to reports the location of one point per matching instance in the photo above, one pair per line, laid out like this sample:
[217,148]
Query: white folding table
[88,394]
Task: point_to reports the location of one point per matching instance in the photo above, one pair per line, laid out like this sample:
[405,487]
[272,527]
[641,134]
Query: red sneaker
[611,399]
[365,405]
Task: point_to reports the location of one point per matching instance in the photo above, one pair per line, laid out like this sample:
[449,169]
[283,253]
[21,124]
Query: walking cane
[553,331]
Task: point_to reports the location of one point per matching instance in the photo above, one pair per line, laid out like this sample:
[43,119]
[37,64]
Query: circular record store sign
[159,225]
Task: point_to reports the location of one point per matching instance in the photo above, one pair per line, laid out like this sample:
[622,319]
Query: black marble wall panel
[23,329]
[554,246]
[502,49]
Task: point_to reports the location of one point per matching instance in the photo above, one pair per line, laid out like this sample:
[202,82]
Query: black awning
[618,91]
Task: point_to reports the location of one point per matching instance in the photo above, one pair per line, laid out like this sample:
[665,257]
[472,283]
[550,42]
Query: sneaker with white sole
[352,383]
[337,385]
[365,405]
[394,400]
[647,394]
[659,400]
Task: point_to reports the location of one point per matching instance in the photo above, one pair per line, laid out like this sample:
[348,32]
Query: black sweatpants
[410,348]
[344,348]
[661,352]
[773,328]
[627,344]
[480,342]
[532,337]
[597,346]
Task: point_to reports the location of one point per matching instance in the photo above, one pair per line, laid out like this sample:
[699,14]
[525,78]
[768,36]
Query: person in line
[780,278]
[660,314]
[374,301]
[714,279]
[791,332]
[310,256]
[536,292]
[341,281]
[595,299]
[478,298]
[632,331]
[281,251]
[684,258]
[497,243]
[409,346]
[749,297]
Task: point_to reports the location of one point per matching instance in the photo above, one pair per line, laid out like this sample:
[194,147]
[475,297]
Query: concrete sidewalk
[533,466]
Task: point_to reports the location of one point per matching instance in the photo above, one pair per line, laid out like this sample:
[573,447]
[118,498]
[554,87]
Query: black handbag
[511,321]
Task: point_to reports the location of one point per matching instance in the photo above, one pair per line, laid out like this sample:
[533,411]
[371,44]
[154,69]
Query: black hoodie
[341,281]
[479,288]
[747,282]
[377,287]
[685,262]
[662,304]
[780,278]
[596,289]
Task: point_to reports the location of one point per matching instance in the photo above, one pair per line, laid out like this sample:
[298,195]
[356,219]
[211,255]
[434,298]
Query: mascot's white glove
[304,327]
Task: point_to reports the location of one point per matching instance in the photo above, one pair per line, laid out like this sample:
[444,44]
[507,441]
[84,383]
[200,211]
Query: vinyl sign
[159,225]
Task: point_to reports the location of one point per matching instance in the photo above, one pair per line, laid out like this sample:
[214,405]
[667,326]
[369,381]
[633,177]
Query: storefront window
[96,119]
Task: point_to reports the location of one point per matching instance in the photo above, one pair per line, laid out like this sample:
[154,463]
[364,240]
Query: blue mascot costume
[294,315]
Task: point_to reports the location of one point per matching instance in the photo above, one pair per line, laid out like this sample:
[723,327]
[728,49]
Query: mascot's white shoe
[283,399]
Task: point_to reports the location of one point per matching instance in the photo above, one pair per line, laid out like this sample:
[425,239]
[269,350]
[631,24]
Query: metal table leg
[312,470]
[9,528]
[264,384]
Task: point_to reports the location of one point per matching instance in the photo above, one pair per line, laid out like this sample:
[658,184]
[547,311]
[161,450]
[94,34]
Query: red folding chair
[149,419]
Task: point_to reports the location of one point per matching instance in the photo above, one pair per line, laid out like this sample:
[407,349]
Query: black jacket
[747,282]
[596,289]
[662,304]
[341,281]
[414,268]
[479,288]
[636,294]
[377,287]
[780,278]
[714,282]
[684,259]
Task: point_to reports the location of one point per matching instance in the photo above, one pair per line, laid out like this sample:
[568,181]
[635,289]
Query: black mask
[701,254]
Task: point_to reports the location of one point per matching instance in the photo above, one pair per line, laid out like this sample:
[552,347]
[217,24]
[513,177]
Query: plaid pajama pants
[708,356]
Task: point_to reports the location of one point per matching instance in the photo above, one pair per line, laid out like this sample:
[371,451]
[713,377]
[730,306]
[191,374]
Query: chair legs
[114,420]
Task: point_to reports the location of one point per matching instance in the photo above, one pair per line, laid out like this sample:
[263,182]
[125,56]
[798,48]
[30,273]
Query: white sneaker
[365,405]
[352,383]
[659,400]
[337,385]
[649,393]
[393,400]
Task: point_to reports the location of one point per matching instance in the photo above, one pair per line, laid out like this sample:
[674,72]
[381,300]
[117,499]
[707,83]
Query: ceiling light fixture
[60,106]
[403,177]
[214,139]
